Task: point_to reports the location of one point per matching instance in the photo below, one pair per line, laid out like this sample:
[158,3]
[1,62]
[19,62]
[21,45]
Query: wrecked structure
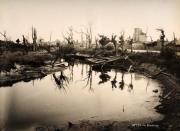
[139,36]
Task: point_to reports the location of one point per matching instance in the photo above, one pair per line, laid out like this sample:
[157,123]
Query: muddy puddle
[79,93]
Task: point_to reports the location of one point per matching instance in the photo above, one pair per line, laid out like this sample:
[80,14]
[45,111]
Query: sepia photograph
[89,65]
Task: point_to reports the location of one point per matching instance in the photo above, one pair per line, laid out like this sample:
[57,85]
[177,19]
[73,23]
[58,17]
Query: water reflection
[114,81]
[130,86]
[61,81]
[30,105]
[88,79]
[71,68]
[104,77]
[121,83]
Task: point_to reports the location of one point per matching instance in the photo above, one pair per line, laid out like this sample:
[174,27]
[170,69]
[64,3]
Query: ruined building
[139,35]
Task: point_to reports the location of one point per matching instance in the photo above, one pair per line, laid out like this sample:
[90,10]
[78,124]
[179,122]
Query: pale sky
[106,16]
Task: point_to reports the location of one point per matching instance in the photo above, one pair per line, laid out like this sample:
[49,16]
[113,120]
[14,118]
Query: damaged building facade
[139,36]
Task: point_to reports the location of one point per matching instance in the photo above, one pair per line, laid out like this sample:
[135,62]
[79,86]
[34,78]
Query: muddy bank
[16,66]
[169,99]
[28,73]
[170,103]
[87,125]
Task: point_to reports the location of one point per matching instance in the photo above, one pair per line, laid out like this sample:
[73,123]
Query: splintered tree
[96,41]
[174,40]
[4,34]
[25,41]
[130,42]
[113,40]
[89,36]
[122,42]
[167,52]
[34,38]
[82,38]
[162,38]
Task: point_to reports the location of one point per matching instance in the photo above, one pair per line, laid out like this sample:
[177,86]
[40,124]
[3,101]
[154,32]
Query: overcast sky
[106,16]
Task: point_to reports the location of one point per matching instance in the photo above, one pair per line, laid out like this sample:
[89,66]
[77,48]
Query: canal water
[79,93]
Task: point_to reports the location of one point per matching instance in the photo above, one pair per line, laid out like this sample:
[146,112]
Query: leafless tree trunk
[174,40]
[162,38]
[89,36]
[96,41]
[113,40]
[34,38]
[4,34]
[82,38]
[69,37]
[122,42]
[130,41]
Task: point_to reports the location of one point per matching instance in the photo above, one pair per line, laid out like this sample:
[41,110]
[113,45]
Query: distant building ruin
[139,35]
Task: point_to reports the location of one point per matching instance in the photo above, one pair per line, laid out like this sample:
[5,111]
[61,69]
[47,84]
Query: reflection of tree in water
[89,79]
[71,68]
[114,81]
[130,86]
[121,83]
[61,81]
[82,70]
[104,77]
[148,82]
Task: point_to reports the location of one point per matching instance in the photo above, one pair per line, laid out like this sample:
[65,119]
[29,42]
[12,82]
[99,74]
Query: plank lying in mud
[104,60]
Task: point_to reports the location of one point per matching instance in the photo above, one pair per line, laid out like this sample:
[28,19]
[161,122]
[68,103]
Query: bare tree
[4,34]
[89,35]
[82,34]
[69,36]
[122,42]
[25,41]
[174,40]
[96,41]
[82,38]
[130,42]
[162,38]
[34,38]
[113,40]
